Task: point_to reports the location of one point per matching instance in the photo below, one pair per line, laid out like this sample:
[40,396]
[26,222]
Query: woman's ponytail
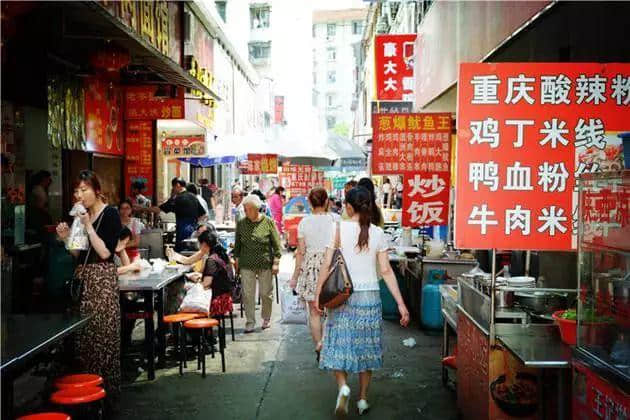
[360,200]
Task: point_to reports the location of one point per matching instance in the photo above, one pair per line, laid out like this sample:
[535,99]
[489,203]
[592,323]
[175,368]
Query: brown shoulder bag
[337,287]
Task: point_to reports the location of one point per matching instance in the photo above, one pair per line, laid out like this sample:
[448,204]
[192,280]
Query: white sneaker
[343,399]
[363,407]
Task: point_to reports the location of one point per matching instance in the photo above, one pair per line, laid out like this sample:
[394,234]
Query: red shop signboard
[141,103]
[257,164]
[103,117]
[526,131]
[394,61]
[300,179]
[139,155]
[426,194]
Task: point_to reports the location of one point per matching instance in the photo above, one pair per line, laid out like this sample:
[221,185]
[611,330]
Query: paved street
[273,375]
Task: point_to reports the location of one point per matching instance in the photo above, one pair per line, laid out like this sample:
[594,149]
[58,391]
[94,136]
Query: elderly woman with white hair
[257,253]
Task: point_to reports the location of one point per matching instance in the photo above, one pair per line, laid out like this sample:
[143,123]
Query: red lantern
[110,59]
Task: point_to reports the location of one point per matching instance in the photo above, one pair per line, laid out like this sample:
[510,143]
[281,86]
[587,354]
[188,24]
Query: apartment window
[332,76]
[221,8]
[259,50]
[331,29]
[260,17]
[330,122]
[330,100]
[332,54]
[357,27]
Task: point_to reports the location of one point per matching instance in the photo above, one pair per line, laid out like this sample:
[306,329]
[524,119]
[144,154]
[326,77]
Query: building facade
[336,41]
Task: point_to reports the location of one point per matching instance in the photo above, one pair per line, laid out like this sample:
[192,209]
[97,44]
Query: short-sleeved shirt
[316,230]
[257,244]
[361,264]
[185,205]
[108,230]
[220,280]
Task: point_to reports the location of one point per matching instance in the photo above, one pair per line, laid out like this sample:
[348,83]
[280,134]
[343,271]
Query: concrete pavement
[273,375]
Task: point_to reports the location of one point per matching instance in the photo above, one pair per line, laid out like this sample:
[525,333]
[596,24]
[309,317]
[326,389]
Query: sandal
[317,354]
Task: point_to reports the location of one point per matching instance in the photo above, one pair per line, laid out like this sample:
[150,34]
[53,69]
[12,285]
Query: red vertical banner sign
[278,109]
[103,117]
[139,155]
[526,131]
[394,61]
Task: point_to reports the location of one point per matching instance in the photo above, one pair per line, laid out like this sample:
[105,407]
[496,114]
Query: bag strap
[338,235]
[87,255]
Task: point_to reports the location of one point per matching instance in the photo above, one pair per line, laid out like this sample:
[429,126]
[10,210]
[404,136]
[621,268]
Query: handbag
[75,284]
[337,287]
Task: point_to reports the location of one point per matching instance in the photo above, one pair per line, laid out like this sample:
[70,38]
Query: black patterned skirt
[98,343]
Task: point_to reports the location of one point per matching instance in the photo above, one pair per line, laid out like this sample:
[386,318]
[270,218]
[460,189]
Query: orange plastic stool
[178,319]
[204,324]
[78,381]
[76,396]
[450,361]
[46,416]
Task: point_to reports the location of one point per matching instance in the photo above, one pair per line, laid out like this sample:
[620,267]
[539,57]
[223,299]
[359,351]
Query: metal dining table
[25,336]
[152,286]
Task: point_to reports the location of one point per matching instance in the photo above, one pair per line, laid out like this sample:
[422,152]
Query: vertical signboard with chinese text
[103,117]
[394,61]
[139,155]
[418,147]
[526,131]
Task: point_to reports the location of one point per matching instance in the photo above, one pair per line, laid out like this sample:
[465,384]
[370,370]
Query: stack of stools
[204,325]
[177,320]
[80,392]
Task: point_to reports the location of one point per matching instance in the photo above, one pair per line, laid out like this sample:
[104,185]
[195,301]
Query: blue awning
[206,162]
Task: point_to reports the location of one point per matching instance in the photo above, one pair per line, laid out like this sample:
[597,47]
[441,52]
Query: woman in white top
[313,237]
[387,190]
[352,335]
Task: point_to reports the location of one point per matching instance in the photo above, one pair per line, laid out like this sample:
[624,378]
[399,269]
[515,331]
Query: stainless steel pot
[541,302]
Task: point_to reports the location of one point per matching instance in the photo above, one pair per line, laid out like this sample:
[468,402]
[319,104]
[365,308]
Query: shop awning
[206,162]
[102,23]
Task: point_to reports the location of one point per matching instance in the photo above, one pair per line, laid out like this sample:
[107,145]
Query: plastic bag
[293,308]
[158,265]
[197,300]
[78,239]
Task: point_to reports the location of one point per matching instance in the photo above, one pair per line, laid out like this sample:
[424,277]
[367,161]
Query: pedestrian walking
[276,204]
[376,217]
[353,332]
[238,212]
[98,344]
[314,233]
[387,191]
[257,252]
[346,188]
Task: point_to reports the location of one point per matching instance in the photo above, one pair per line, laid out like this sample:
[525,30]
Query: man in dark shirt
[187,211]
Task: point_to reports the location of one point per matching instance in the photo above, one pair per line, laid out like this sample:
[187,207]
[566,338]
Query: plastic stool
[46,416]
[78,381]
[178,319]
[204,324]
[76,397]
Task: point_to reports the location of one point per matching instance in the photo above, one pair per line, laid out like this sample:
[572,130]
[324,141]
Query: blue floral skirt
[353,335]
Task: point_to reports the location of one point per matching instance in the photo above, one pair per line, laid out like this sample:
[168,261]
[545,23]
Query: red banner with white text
[526,131]
[394,61]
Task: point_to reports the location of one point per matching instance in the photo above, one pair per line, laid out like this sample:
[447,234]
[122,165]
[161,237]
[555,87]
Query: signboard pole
[492,302]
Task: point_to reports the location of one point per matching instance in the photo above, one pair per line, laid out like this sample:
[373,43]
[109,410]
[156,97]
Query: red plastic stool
[450,361]
[203,325]
[79,397]
[78,381]
[46,416]
[178,319]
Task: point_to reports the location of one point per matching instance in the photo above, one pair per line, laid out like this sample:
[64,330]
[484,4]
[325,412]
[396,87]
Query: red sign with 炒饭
[426,199]
[188,146]
[410,143]
[139,155]
[525,132]
[148,103]
[103,117]
[394,60]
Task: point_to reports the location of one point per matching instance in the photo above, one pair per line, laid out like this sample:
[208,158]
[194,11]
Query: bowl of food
[518,399]
[596,327]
